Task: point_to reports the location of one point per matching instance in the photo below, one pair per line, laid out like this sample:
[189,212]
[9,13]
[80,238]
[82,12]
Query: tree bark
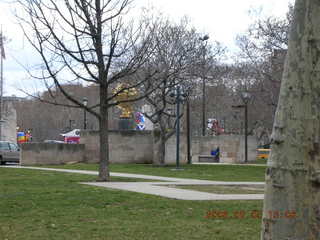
[159,147]
[104,173]
[291,206]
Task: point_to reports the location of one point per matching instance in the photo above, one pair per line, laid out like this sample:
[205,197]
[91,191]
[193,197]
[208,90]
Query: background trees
[87,41]
[262,51]
[154,62]
[88,50]
[48,121]
[176,60]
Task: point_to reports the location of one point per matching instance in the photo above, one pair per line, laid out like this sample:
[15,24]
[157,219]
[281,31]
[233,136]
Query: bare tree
[175,52]
[87,41]
[262,50]
[48,121]
[176,60]
[291,205]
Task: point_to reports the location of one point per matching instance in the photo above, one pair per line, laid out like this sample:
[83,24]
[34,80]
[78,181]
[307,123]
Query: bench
[207,158]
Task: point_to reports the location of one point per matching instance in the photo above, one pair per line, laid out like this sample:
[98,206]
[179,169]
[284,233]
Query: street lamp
[204,39]
[71,123]
[180,96]
[188,132]
[246,96]
[85,103]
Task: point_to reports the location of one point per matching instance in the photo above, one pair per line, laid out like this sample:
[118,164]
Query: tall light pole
[85,103]
[180,96]
[178,127]
[188,132]
[204,39]
[246,98]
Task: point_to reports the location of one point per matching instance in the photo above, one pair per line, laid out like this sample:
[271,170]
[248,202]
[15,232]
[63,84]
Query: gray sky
[222,20]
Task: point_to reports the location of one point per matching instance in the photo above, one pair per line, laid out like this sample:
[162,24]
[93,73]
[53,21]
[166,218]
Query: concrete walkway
[161,188]
[232,164]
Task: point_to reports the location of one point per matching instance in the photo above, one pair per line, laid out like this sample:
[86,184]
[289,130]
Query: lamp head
[204,38]
[246,96]
[85,101]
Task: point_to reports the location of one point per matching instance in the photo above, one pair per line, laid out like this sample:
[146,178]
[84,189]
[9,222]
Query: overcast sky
[222,20]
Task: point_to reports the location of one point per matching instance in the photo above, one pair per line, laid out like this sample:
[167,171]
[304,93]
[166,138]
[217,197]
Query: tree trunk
[104,174]
[292,197]
[159,147]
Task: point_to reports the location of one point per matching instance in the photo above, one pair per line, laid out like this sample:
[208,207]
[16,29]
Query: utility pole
[2,56]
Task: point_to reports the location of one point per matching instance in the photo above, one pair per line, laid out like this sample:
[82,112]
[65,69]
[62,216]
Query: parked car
[9,152]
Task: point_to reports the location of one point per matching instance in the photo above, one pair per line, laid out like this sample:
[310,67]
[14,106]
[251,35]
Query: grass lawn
[50,205]
[260,161]
[205,172]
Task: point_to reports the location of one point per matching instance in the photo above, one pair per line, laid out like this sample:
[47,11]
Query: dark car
[9,152]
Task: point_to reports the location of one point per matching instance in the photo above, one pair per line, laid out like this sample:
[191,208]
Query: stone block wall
[51,153]
[171,151]
[252,149]
[231,147]
[125,146]
[135,147]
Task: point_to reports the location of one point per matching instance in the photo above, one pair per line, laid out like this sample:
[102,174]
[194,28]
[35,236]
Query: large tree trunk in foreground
[292,201]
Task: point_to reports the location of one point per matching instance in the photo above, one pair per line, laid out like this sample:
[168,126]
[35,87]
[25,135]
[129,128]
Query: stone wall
[137,146]
[171,147]
[125,146]
[252,149]
[51,153]
[231,147]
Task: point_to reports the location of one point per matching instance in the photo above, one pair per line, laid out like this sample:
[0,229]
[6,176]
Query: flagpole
[1,82]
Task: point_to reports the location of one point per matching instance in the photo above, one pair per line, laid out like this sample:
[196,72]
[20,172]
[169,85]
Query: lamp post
[180,96]
[246,98]
[204,39]
[85,103]
[188,133]
[71,123]
[2,56]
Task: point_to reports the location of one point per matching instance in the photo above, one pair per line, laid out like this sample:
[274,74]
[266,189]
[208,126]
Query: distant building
[13,98]
[8,124]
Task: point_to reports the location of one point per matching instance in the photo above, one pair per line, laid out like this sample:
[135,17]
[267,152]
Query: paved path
[161,188]
[232,164]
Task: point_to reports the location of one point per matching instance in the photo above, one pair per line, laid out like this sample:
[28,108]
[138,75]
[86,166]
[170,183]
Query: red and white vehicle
[72,136]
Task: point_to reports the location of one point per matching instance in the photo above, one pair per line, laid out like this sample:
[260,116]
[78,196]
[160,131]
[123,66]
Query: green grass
[262,161]
[221,189]
[50,205]
[205,172]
